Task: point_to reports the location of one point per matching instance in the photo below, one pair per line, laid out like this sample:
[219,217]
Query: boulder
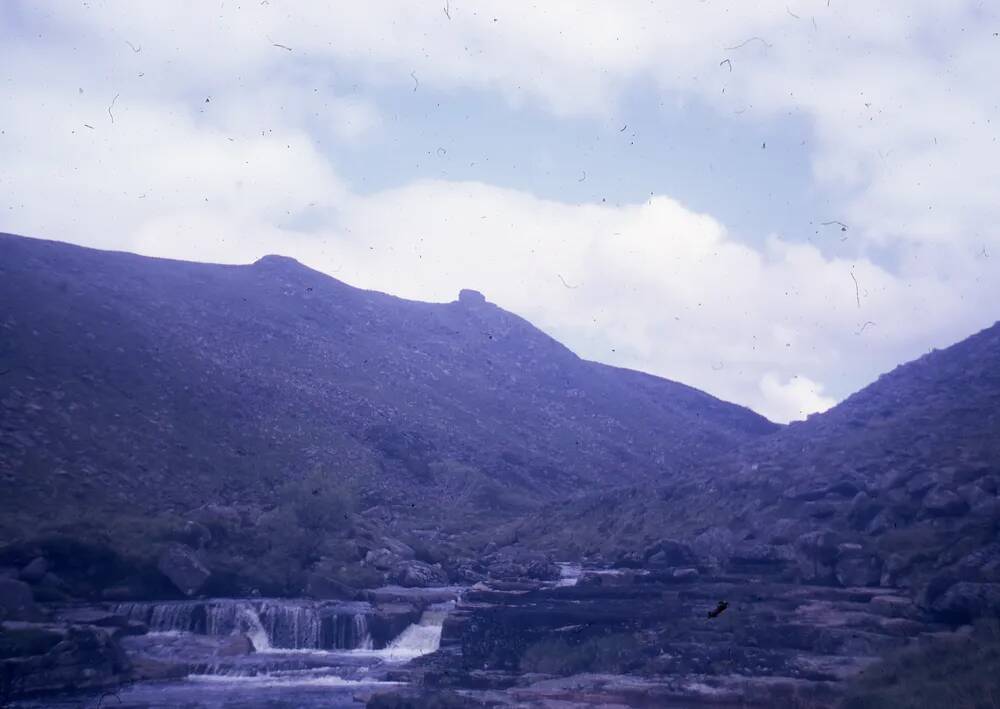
[400,549]
[235,646]
[967,600]
[942,502]
[629,560]
[94,616]
[884,520]
[893,570]
[980,565]
[512,563]
[179,564]
[325,588]
[816,554]
[35,570]
[862,511]
[668,552]
[50,659]
[382,559]
[17,601]
[859,570]
[783,531]
[418,574]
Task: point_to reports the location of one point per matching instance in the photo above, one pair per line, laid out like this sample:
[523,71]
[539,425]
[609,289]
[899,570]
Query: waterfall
[272,625]
[569,573]
[420,638]
[254,629]
[362,638]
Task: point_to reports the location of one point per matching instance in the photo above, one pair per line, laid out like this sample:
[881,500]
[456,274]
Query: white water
[420,638]
[272,625]
[254,629]
[569,573]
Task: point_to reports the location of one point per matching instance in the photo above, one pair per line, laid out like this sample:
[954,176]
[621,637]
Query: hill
[149,384]
[895,486]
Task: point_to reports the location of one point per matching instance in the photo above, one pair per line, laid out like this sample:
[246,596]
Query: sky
[774,202]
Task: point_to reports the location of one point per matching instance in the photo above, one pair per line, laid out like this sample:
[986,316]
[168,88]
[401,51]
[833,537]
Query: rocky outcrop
[418,574]
[967,600]
[179,564]
[513,563]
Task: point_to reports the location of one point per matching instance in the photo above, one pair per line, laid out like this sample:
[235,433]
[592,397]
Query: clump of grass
[960,672]
[608,653]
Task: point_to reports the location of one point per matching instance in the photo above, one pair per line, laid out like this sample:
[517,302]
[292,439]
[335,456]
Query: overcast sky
[772,201]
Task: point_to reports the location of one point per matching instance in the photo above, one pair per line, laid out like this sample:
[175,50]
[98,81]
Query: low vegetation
[248,549]
[959,672]
[615,653]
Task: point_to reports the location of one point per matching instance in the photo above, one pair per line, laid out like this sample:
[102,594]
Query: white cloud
[893,91]
[793,399]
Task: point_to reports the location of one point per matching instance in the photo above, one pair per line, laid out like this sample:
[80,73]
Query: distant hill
[150,384]
[897,485]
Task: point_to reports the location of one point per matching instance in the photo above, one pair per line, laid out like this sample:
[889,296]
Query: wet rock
[94,616]
[941,502]
[35,570]
[51,659]
[179,564]
[391,619]
[17,601]
[235,646]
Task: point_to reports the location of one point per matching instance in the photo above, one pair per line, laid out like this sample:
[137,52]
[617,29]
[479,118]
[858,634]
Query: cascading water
[271,625]
[569,573]
[420,638]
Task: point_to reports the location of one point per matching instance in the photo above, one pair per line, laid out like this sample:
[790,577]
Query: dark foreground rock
[44,658]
